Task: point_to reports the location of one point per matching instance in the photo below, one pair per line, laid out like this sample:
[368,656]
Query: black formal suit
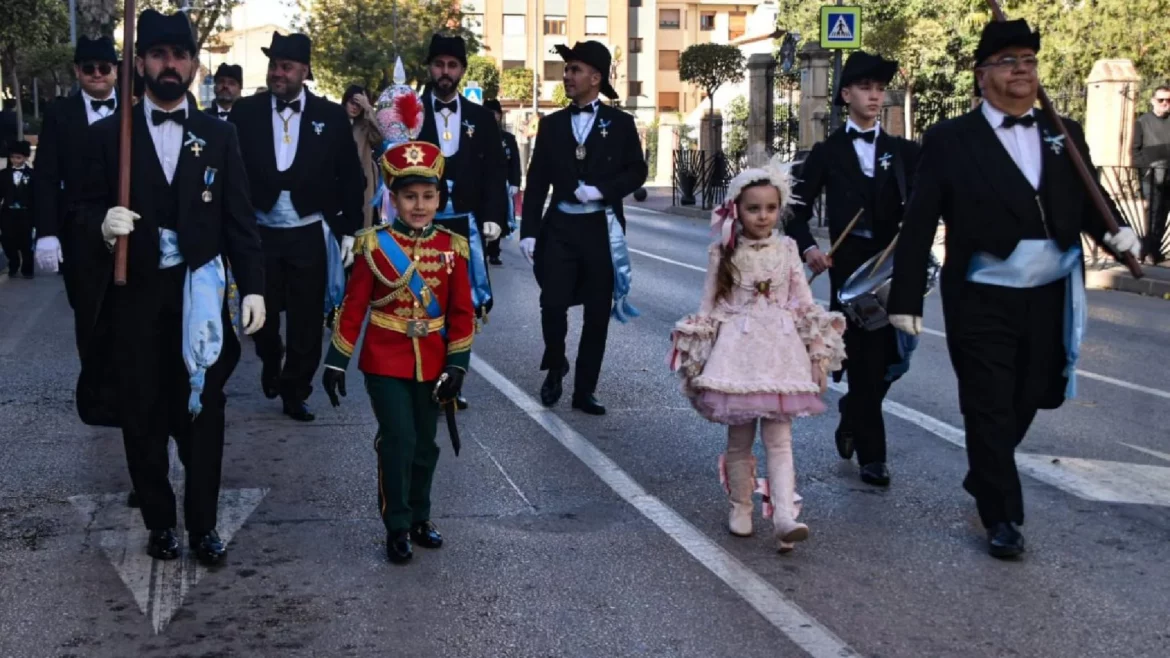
[60,172]
[1006,344]
[133,375]
[325,177]
[512,154]
[572,262]
[16,219]
[833,167]
[213,111]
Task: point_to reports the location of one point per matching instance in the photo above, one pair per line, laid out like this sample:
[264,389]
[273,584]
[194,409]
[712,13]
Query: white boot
[741,483]
[782,483]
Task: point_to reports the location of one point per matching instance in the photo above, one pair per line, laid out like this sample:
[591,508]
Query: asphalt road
[575,536]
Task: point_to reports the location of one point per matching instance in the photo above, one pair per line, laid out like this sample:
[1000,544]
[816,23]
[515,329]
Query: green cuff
[460,359]
[335,358]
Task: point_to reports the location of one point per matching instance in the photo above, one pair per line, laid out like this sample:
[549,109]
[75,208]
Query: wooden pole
[1078,161]
[126,105]
[840,239]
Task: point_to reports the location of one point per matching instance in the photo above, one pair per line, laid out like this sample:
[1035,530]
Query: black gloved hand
[448,389]
[334,382]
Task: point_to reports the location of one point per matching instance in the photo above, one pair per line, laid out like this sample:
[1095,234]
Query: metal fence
[1142,194]
[701,178]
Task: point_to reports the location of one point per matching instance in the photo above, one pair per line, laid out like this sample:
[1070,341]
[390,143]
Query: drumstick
[840,239]
[885,255]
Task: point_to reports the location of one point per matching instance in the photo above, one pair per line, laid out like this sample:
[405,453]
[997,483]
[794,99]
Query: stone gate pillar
[814,94]
[1110,107]
[760,123]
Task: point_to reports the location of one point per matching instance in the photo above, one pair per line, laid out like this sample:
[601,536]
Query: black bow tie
[281,106]
[451,107]
[97,105]
[159,117]
[223,113]
[577,109]
[868,135]
[1027,121]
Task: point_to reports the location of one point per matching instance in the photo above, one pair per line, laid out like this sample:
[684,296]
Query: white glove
[119,221]
[346,250]
[528,248]
[253,313]
[1124,240]
[491,231]
[512,190]
[49,254]
[587,193]
[910,324]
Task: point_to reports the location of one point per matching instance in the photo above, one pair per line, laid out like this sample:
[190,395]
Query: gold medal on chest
[287,138]
[580,151]
[447,135]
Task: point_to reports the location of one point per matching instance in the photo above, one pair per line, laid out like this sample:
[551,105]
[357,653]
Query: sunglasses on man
[103,68]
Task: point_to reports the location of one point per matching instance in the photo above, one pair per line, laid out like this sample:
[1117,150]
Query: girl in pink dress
[758,351]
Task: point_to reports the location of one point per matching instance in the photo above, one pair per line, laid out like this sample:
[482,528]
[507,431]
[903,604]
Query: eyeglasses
[103,68]
[1162,100]
[1027,62]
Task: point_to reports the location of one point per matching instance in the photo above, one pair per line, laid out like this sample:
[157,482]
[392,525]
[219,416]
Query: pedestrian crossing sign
[840,27]
[473,93]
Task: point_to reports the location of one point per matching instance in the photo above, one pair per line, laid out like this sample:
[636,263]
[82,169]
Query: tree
[97,17]
[357,40]
[710,66]
[483,70]
[516,85]
[737,136]
[559,98]
[206,15]
[26,25]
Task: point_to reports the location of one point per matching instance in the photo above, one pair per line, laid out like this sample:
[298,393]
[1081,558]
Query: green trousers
[407,452]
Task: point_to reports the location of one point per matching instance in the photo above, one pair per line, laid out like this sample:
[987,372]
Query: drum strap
[900,176]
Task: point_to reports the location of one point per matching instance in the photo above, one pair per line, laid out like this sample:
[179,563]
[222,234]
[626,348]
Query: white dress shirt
[219,109]
[583,123]
[452,125]
[1022,144]
[167,137]
[286,153]
[18,175]
[866,151]
[94,115]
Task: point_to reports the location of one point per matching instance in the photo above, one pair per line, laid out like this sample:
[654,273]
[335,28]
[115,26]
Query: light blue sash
[284,214]
[401,263]
[1036,263]
[481,289]
[511,213]
[334,271]
[623,275]
[203,292]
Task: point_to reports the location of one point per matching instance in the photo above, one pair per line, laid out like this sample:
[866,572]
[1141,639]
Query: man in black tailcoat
[1012,284]
[862,168]
[307,187]
[512,153]
[229,83]
[189,215]
[591,156]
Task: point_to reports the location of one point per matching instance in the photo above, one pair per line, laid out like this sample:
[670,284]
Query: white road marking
[507,477]
[1148,451]
[941,334]
[805,631]
[159,587]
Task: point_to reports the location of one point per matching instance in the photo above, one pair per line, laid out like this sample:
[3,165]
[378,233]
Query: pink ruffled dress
[748,356]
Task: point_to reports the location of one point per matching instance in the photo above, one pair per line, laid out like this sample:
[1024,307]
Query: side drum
[866,292]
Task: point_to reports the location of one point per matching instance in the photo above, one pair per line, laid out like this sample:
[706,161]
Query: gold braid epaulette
[458,243]
[365,241]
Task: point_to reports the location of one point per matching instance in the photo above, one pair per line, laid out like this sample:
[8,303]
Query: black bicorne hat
[20,148]
[493,106]
[296,47]
[451,46]
[100,49]
[233,71]
[595,54]
[864,66]
[998,35]
[155,29]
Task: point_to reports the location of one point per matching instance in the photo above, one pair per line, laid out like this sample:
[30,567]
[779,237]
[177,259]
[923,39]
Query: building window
[554,71]
[668,101]
[635,44]
[667,60]
[635,3]
[737,25]
[474,23]
[669,19]
[513,64]
[596,25]
[635,88]
[514,25]
[554,25]
[707,21]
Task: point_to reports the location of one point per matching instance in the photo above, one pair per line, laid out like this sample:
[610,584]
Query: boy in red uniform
[412,278]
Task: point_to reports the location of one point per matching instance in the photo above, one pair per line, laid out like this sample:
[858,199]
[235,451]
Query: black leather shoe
[298,411]
[132,500]
[163,545]
[209,548]
[495,260]
[461,402]
[1004,541]
[398,548]
[270,380]
[844,442]
[589,405]
[551,390]
[424,534]
[876,474]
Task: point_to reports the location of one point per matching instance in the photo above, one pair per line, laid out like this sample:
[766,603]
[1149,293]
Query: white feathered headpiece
[725,218]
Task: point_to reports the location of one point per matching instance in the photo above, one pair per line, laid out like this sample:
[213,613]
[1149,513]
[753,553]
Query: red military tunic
[402,339]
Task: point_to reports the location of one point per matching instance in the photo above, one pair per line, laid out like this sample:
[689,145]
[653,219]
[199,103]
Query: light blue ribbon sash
[284,214]
[481,289]
[623,275]
[511,212]
[334,271]
[1036,263]
[401,263]
[203,292]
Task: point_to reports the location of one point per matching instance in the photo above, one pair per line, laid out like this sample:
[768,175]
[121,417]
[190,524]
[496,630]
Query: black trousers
[573,266]
[493,248]
[868,354]
[159,365]
[16,238]
[1008,351]
[295,283]
[1156,191]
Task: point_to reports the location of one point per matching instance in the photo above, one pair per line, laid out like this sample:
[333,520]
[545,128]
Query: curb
[1118,278]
